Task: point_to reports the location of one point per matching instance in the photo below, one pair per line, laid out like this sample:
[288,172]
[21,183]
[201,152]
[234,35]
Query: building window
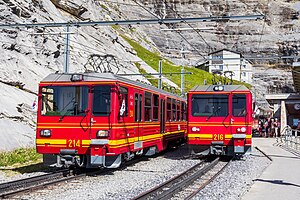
[244,73]
[220,67]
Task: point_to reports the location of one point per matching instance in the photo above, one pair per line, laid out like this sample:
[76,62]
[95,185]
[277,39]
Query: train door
[138,119]
[162,116]
[100,115]
[239,112]
[240,122]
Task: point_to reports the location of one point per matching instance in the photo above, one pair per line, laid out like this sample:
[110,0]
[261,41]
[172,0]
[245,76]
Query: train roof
[210,88]
[91,77]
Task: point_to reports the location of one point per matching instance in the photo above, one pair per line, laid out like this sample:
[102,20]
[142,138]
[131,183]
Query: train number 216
[218,137]
[73,143]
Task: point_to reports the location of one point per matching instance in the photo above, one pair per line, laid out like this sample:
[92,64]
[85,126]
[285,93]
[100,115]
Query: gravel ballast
[142,176]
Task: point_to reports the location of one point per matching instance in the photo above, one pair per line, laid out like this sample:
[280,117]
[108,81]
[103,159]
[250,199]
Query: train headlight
[102,133]
[77,77]
[45,133]
[241,130]
[195,129]
[219,88]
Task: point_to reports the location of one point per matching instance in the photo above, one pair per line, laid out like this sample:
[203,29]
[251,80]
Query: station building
[225,60]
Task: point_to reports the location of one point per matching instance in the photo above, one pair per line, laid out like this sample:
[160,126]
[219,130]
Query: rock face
[29,54]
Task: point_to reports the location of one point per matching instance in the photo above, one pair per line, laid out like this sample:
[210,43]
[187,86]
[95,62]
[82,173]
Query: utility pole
[182,81]
[182,71]
[67,50]
[160,72]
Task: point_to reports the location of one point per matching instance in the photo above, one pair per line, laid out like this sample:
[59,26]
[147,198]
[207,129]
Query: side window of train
[123,110]
[183,111]
[101,100]
[147,108]
[155,107]
[178,110]
[169,109]
[136,105]
[239,105]
[174,109]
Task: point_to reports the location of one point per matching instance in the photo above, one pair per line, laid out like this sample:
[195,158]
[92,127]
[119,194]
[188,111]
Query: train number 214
[73,143]
[218,137]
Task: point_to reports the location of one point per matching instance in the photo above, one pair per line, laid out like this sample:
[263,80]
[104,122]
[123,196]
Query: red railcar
[220,119]
[101,120]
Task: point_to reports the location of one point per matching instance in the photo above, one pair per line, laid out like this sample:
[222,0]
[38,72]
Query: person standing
[276,126]
[272,128]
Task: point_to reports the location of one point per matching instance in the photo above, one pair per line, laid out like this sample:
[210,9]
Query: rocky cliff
[29,54]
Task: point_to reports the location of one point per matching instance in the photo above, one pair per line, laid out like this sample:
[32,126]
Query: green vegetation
[19,156]
[154,82]
[152,59]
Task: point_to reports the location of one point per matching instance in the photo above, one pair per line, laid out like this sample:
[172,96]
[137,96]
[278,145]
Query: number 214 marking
[73,143]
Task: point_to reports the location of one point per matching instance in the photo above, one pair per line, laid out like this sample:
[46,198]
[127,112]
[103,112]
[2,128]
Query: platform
[281,179]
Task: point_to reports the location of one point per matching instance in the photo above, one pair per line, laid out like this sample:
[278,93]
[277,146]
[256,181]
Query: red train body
[220,119]
[100,120]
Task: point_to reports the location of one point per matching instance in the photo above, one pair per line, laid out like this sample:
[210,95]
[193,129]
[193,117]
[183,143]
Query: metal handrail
[290,137]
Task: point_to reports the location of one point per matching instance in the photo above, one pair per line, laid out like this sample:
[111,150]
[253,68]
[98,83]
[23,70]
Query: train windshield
[210,105]
[64,100]
[101,100]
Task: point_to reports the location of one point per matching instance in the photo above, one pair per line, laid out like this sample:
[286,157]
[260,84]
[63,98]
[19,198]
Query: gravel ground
[142,176]
[236,179]
[121,184]
[7,175]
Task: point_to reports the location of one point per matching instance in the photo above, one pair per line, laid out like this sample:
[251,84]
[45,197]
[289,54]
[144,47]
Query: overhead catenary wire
[176,31]
[210,47]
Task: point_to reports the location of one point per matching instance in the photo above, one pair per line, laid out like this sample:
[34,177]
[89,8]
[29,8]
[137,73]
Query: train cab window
[101,100]
[155,107]
[210,105]
[147,108]
[169,109]
[239,105]
[64,100]
[178,110]
[123,110]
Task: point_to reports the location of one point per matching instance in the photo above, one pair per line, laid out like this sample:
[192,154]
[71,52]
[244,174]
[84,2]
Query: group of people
[269,127]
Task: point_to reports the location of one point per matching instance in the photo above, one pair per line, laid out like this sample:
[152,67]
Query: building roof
[225,50]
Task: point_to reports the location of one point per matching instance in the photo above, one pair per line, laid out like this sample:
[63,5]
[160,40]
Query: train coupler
[217,148]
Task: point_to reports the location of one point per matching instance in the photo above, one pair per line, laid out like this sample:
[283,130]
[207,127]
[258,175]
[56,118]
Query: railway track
[185,185]
[13,188]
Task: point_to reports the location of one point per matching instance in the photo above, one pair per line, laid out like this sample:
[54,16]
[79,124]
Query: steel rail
[207,182]
[18,186]
[13,188]
[167,189]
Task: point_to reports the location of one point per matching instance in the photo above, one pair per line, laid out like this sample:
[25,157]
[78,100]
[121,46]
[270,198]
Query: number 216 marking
[218,137]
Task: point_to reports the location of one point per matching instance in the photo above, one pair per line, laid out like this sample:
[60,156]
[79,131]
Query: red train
[100,120]
[220,119]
